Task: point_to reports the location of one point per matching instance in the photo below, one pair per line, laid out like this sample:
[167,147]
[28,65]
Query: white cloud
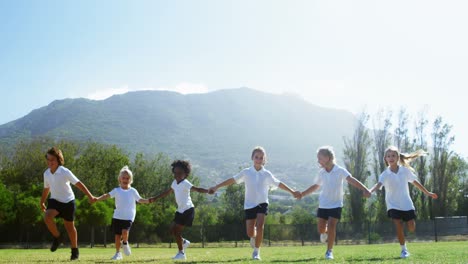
[183,88]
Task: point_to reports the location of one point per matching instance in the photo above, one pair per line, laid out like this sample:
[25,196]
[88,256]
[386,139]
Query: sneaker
[329,255]
[180,256]
[252,242]
[56,243]
[256,255]
[323,237]
[404,254]
[75,254]
[117,256]
[126,249]
[186,244]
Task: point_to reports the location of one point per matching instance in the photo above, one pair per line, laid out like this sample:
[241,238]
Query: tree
[356,156]
[7,209]
[441,175]
[233,204]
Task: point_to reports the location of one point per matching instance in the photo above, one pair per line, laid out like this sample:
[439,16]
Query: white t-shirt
[125,203]
[396,188]
[59,184]
[182,195]
[257,185]
[332,187]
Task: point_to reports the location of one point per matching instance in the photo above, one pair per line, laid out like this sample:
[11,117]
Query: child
[395,180]
[61,203]
[185,209]
[257,181]
[331,178]
[125,210]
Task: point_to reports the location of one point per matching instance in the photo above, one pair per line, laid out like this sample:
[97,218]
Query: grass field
[440,252]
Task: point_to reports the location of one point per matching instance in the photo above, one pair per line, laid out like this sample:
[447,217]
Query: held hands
[212,190]
[152,200]
[297,195]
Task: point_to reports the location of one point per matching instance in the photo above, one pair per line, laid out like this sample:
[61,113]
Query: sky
[352,55]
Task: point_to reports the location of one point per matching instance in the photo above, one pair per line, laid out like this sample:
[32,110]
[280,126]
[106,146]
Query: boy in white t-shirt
[61,203]
[331,178]
[126,198]
[395,180]
[258,182]
[185,213]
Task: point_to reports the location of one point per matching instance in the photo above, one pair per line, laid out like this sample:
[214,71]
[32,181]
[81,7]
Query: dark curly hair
[183,164]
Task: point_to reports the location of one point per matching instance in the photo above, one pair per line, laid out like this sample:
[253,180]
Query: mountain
[215,130]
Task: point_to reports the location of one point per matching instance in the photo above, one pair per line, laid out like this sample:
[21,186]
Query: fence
[438,229]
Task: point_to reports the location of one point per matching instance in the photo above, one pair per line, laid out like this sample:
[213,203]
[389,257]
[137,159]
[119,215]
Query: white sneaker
[117,256]
[256,255]
[252,242]
[180,256]
[404,254]
[126,249]
[329,255]
[323,237]
[186,244]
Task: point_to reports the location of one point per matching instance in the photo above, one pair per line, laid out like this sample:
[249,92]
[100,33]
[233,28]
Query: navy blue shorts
[66,210]
[259,209]
[403,215]
[326,213]
[185,218]
[118,225]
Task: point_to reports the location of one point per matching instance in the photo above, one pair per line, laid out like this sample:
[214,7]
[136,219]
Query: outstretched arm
[376,187]
[424,190]
[144,201]
[296,194]
[103,197]
[85,190]
[200,190]
[162,195]
[227,182]
[310,190]
[351,180]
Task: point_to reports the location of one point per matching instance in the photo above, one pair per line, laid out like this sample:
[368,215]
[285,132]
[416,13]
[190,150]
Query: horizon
[340,55]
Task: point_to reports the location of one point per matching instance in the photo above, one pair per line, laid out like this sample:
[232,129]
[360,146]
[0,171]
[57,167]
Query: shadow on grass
[296,260]
[364,259]
[156,260]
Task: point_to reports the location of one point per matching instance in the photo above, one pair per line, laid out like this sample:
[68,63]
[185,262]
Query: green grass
[440,252]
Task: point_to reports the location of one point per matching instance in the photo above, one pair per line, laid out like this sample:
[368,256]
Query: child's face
[179,174]
[52,162]
[323,160]
[258,158]
[391,157]
[124,179]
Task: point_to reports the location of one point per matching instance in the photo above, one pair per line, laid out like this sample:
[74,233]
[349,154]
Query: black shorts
[326,213]
[118,225]
[185,218]
[259,209]
[66,210]
[403,215]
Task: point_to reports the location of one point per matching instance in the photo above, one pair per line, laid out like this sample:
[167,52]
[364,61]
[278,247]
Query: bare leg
[49,219]
[117,242]
[176,231]
[260,225]
[399,231]
[322,225]
[125,233]
[411,224]
[250,226]
[72,234]
[331,232]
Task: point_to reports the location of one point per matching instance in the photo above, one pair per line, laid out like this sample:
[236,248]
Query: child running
[331,178]
[126,198]
[61,203]
[395,180]
[257,181]
[185,209]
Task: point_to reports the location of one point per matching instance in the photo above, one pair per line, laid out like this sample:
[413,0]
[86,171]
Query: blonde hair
[126,170]
[262,150]
[328,152]
[405,158]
